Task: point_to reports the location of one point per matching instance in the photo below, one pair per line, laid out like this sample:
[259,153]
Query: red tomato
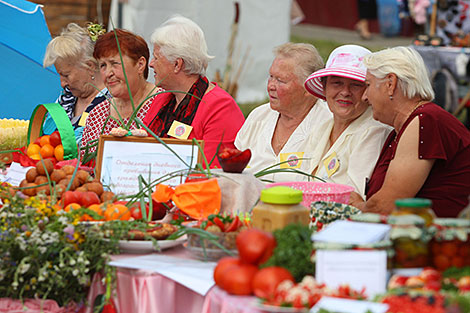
[136,213]
[88,198]
[54,139]
[222,265]
[255,246]
[267,279]
[237,279]
[69,197]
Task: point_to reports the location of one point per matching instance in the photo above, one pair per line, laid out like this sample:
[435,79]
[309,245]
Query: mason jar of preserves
[278,207]
[450,245]
[410,240]
[416,206]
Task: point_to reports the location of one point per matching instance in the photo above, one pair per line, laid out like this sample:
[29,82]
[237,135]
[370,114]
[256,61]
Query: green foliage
[293,251]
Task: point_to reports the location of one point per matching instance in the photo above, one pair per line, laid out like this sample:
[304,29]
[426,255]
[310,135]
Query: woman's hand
[356,200]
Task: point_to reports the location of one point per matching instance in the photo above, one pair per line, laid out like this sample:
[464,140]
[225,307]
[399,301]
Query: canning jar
[450,245]
[410,240]
[278,207]
[416,206]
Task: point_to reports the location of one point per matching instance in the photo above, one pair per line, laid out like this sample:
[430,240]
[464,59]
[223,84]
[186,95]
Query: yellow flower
[27,233]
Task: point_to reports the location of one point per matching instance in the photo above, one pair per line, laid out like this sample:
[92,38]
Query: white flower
[72,262]
[24,267]
[75,272]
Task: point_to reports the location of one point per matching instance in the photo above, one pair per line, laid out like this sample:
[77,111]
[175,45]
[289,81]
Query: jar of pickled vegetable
[450,245]
[416,206]
[410,240]
[369,218]
[278,207]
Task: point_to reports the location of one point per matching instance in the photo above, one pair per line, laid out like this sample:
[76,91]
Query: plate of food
[278,309]
[146,246]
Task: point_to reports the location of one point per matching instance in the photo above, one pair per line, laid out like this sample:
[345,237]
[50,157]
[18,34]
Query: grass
[324,47]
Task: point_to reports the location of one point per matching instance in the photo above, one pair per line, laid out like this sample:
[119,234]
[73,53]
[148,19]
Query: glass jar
[416,206]
[410,240]
[383,245]
[278,207]
[450,245]
[369,218]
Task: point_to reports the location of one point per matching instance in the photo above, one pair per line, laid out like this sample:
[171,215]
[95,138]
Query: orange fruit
[44,140]
[117,212]
[33,149]
[59,153]
[72,206]
[47,151]
[35,157]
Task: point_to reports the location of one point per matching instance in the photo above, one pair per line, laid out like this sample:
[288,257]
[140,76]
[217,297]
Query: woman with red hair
[135,59]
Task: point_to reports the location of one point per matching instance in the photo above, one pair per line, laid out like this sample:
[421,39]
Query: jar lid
[413,203]
[406,220]
[281,195]
[369,218]
[452,222]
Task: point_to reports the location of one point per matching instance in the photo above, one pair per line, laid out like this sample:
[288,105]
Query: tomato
[69,197]
[54,139]
[430,274]
[267,279]
[136,213]
[117,211]
[441,262]
[449,248]
[88,198]
[237,279]
[222,265]
[255,246]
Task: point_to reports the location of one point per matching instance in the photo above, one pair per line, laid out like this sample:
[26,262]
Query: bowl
[318,191]
[206,250]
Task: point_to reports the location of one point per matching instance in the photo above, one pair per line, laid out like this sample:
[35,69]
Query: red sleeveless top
[444,138]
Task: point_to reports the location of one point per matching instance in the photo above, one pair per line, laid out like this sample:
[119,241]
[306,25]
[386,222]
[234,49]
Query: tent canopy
[24,83]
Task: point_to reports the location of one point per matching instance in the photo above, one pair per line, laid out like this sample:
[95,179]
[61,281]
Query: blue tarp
[24,83]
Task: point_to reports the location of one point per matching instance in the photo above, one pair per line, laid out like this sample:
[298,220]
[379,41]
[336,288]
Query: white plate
[278,309]
[146,246]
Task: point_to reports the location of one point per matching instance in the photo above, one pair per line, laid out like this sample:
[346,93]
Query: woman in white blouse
[349,143]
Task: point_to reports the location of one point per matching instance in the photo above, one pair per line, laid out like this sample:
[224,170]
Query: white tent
[263,25]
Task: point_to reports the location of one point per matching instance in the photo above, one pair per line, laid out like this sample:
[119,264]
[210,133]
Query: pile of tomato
[242,275]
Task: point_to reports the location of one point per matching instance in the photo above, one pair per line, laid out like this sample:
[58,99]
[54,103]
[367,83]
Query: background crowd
[364,119]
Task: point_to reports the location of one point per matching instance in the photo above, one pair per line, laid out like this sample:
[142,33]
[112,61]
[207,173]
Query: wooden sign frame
[133,143]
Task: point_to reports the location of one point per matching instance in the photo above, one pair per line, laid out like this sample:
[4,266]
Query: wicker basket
[318,191]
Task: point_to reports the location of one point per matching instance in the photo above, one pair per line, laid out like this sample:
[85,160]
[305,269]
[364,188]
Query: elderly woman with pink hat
[349,144]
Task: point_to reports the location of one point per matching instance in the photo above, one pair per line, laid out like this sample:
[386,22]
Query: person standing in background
[367,11]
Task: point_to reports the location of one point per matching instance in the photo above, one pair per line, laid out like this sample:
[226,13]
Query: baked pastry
[159,231]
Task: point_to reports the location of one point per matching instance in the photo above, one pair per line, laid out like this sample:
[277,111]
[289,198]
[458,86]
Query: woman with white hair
[193,107]
[72,54]
[428,153]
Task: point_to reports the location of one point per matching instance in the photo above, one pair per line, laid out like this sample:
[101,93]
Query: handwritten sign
[120,161]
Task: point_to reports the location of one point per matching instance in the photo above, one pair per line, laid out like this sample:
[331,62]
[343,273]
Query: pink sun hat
[344,61]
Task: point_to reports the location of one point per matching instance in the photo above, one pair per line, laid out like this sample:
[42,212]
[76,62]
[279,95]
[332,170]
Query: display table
[149,292]
[219,301]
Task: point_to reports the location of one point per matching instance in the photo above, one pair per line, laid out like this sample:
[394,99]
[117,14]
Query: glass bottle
[278,207]
[416,206]
[450,245]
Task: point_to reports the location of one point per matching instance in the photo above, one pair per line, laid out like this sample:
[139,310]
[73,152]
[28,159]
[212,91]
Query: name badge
[179,130]
[83,118]
[291,159]
[331,164]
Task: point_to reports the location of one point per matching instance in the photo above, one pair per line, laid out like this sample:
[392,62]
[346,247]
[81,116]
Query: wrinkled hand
[356,200]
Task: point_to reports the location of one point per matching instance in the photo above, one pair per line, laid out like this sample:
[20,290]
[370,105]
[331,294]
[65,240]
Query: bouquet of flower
[46,253]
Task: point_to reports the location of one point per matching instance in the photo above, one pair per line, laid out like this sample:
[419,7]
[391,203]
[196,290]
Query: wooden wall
[61,12]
